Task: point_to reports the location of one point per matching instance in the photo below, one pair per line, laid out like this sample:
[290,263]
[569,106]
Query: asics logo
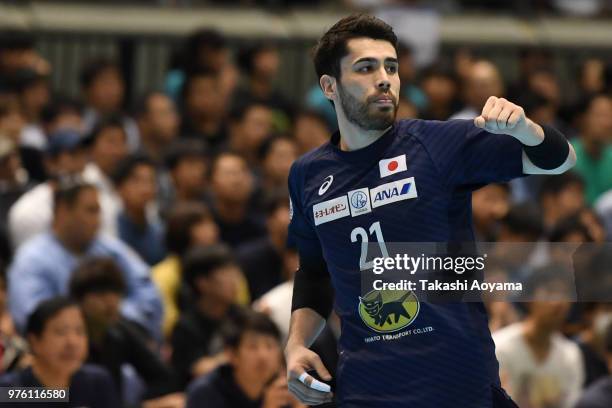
[326,184]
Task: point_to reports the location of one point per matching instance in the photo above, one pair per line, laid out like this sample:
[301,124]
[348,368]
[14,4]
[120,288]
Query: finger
[321,370]
[494,114]
[488,106]
[514,119]
[314,383]
[480,122]
[502,119]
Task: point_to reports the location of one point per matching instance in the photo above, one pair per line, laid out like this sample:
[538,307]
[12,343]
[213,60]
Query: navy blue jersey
[413,184]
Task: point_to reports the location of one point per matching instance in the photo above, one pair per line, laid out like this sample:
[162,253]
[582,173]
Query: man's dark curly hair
[332,47]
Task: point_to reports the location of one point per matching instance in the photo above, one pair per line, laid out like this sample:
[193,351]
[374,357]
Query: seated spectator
[98,286]
[599,394]
[249,124]
[103,88]
[310,128]
[591,340]
[58,340]
[253,377]
[489,205]
[62,113]
[137,224]
[262,259]
[232,186]
[107,147]
[213,277]
[187,165]
[560,196]
[538,366]
[522,223]
[13,178]
[158,124]
[41,268]
[276,156]
[33,212]
[204,108]
[33,92]
[593,147]
[483,80]
[440,87]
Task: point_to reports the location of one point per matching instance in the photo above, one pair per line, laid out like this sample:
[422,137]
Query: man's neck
[537,338]
[71,245]
[211,309]
[137,215]
[151,145]
[50,378]
[230,211]
[352,137]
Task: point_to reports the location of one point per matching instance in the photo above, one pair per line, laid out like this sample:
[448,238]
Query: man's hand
[306,388]
[502,116]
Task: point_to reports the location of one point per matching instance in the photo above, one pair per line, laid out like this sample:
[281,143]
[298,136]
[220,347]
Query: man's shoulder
[508,336]
[39,247]
[598,395]
[206,387]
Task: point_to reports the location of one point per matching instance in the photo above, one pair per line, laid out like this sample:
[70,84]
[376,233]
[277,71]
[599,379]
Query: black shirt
[262,266]
[124,343]
[219,390]
[91,386]
[195,336]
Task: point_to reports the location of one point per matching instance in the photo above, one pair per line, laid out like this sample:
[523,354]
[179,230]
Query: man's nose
[382,82]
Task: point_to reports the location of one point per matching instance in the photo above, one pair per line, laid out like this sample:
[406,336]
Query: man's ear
[328,86]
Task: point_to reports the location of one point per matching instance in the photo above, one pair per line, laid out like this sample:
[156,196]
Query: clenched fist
[499,115]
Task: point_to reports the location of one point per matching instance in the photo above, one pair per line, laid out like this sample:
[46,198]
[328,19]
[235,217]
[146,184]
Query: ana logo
[330,210]
[392,192]
[326,184]
[393,165]
[360,201]
[386,311]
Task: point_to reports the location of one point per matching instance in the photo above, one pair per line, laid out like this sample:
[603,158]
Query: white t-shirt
[555,382]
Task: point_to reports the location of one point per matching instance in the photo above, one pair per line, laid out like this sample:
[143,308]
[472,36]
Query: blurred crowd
[143,244]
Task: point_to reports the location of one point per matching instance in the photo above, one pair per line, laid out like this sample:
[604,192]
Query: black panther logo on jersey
[387,311]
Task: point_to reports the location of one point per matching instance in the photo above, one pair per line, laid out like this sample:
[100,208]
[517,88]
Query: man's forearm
[305,327]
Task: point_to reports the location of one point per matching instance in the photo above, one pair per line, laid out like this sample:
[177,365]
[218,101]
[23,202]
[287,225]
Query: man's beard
[359,113]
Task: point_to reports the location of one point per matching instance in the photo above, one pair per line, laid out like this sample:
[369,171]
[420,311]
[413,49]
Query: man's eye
[392,69]
[364,69]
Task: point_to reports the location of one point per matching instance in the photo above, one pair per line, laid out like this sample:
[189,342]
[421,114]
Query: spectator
[58,340]
[204,49]
[107,147]
[591,340]
[538,366]
[250,124]
[188,225]
[482,82]
[440,88]
[593,148]
[259,64]
[591,76]
[310,130]
[186,164]
[33,212]
[17,52]
[62,113]
[489,205]
[407,72]
[251,379]
[232,186]
[203,108]
[42,267]
[522,223]
[13,178]
[98,286]
[213,277]
[33,92]
[560,196]
[262,259]
[599,394]
[158,124]
[103,90]
[276,155]
[137,224]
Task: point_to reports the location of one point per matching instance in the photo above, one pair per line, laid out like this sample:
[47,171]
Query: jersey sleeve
[467,156]
[312,284]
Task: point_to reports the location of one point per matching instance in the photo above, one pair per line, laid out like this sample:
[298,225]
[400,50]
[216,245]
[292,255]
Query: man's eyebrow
[372,60]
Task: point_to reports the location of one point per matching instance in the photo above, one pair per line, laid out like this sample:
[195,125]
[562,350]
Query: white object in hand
[316,384]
